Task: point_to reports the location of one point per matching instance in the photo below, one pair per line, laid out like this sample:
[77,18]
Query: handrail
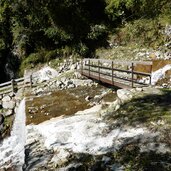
[121,70]
[119,61]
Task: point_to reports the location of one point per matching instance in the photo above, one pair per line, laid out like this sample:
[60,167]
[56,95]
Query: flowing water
[12,149]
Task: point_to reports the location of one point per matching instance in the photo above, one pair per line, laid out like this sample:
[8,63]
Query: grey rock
[71,86]
[12,94]
[8,104]
[6,98]
[8,112]
[164,85]
[97,98]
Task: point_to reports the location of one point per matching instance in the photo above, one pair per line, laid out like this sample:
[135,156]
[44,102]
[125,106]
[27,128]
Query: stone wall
[8,105]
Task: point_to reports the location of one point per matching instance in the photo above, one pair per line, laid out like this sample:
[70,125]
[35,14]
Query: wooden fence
[14,84]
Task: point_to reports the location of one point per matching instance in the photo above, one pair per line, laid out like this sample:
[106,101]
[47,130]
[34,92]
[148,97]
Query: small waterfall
[12,149]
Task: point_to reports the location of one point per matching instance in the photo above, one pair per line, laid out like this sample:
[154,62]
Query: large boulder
[44,74]
[6,99]
[8,102]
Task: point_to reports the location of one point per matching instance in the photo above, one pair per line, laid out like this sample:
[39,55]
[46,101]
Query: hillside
[37,32]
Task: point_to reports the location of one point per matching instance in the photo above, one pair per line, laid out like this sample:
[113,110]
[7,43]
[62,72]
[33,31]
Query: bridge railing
[115,71]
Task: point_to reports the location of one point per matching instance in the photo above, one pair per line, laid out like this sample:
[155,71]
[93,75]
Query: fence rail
[118,73]
[14,84]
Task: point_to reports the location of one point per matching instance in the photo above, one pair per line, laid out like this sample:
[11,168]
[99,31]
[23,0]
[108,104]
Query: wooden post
[12,85]
[89,67]
[112,74]
[99,69]
[31,78]
[132,74]
[150,80]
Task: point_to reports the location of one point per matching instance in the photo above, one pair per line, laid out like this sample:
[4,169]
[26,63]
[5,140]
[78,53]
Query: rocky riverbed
[65,102]
[104,137]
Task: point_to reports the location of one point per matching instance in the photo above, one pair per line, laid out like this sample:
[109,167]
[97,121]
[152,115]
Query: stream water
[12,148]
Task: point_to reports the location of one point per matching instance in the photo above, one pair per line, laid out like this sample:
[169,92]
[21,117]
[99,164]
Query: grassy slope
[152,111]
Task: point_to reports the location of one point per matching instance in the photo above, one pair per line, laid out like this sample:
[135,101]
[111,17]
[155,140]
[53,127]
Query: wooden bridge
[122,74]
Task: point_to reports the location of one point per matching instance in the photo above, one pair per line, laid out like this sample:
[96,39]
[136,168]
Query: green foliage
[82,49]
[49,55]
[97,31]
[131,9]
[57,34]
[33,59]
[145,32]
[39,58]
[79,27]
